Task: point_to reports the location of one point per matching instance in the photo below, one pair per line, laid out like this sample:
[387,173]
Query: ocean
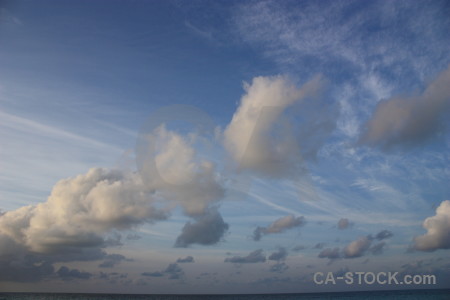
[386,295]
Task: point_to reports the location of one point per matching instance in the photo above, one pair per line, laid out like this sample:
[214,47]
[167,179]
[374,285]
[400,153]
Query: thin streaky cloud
[30,126]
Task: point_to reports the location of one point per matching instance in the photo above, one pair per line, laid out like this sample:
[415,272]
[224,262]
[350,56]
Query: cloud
[281,254]
[74,224]
[319,245]
[115,278]
[343,223]
[83,215]
[6,17]
[80,211]
[187,259]
[133,237]
[199,32]
[174,271]
[256,256]
[345,39]
[279,268]
[24,269]
[438,230]
[405,122]
[169,164]
[206,230]
[298,248]
[153,274]
[357,248]
[115,239]
[261,137]
[272,280]
[377,248]
[279,226]
[68,274]
[331,253]
[384,234]
[111,260]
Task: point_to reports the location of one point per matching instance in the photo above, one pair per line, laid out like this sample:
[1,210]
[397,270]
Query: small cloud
[343,223]
[272,280]
[187,259]
[279,268]
[319,245]
[331,253]
[357,248]
[256,256]
[111,260]
[207,230]
[298,248]
[115,278]
[199,32]
[281,254]
[174,271]
[278,226]
[153,274]
[377,248]
[113,240]
[133,237]
[384,234]
[68,274]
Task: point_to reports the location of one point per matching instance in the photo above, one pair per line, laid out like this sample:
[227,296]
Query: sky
[222,146]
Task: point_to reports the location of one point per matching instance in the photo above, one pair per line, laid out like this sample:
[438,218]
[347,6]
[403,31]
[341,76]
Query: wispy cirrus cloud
[326,33]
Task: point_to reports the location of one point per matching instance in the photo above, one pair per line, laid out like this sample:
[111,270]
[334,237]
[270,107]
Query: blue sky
[209,147]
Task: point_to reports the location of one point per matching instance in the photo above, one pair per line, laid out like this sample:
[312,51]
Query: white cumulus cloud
[261,136]
[83,214]
[438,230]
